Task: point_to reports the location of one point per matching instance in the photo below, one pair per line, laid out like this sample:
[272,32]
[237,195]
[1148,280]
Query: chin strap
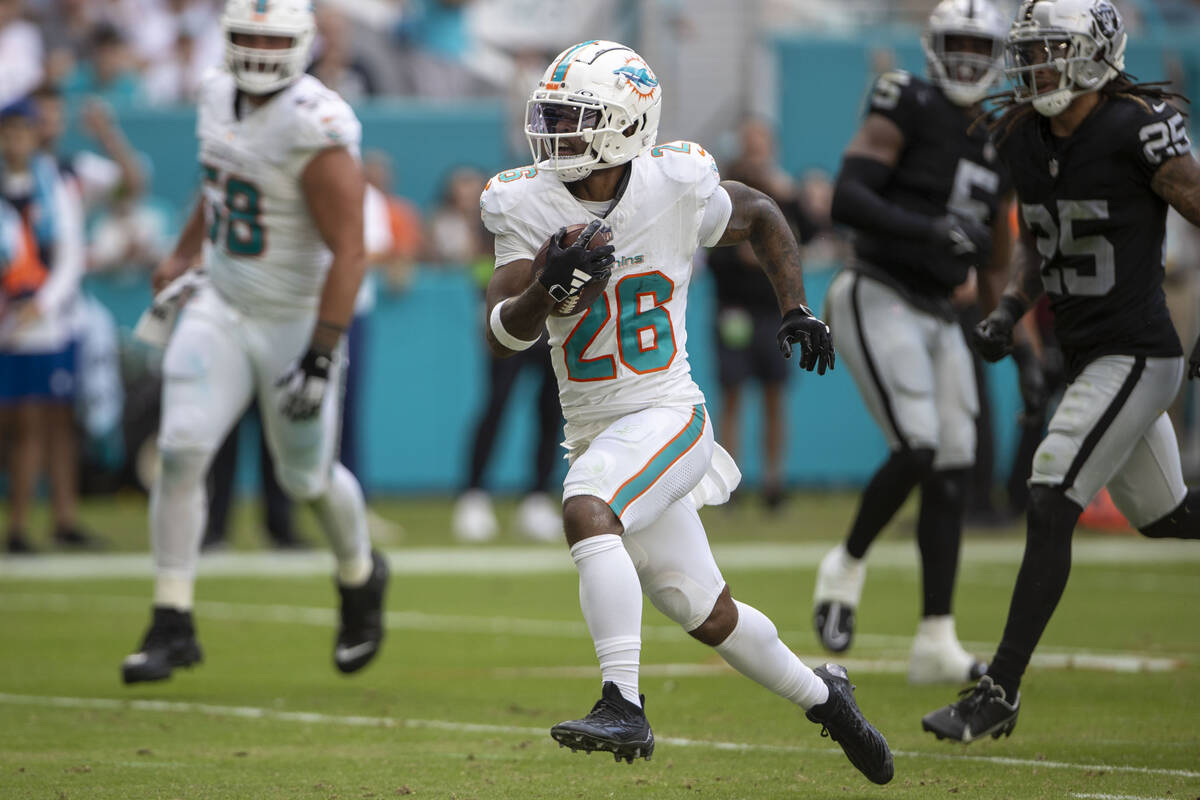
[620,190]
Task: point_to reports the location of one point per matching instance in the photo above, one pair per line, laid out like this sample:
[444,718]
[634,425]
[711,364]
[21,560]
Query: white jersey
[628,351]
[266,254]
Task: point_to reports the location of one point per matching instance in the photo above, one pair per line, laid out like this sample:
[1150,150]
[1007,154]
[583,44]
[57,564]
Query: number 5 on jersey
[645,335]
[237,212]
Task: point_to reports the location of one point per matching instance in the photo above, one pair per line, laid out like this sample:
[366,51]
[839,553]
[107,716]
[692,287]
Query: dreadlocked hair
[1006,113]
[1151,92]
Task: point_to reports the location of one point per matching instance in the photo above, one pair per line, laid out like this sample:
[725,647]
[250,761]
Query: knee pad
[181,466]
[676,566]
[302,486]
[682,582]
[681,598]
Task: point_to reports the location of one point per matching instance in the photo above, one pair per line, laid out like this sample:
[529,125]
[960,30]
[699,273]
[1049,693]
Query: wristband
[503,336]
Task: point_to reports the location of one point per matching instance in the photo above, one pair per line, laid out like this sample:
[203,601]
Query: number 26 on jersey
[644,334]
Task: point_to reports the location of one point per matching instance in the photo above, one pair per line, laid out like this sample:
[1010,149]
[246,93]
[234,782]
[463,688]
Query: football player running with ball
[1096,160]
[928,201]
[281,208]
[639,439]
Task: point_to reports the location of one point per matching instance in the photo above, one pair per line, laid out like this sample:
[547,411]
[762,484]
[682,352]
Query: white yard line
[1052,658]
[314,718]
[1077,661]
[539,560]
[1082,796]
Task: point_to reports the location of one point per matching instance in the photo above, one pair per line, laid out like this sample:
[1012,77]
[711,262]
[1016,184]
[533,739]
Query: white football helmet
[965,75]
[1083,40]
[597,103]
[260,70]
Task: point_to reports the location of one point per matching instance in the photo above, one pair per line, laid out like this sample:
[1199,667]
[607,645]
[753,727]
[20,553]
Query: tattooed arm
[1025,280]
[1178,182]
[756,218]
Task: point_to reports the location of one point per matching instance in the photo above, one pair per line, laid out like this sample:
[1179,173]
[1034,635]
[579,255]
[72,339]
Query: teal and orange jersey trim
[564,64]
[660,462]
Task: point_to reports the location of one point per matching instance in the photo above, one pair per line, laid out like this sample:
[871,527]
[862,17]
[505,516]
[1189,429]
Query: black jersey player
[926,195]
[1095,160]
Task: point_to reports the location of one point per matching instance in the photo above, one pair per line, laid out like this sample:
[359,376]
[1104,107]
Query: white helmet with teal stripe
[260,70]
[597,105]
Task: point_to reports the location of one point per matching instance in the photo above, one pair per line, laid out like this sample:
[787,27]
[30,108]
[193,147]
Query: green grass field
[486,649]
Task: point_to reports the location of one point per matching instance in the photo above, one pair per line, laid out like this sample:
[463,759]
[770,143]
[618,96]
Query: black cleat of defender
[980,710]
[170,643]
[361,630]
[834,623]
[841,720]
[614,725]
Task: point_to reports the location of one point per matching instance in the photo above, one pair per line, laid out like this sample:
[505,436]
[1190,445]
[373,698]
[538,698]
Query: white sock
[610,596]
[342,513]
[178,508]
[939,627]
[754,649]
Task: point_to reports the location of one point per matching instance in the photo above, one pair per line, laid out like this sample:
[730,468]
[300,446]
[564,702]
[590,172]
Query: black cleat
[834,623]
[361,630]
[614,725]
[18,545]
[78,539]
[842,721]
[980,710]
[170,642]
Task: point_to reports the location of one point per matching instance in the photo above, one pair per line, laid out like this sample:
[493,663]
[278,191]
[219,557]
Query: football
[592,289]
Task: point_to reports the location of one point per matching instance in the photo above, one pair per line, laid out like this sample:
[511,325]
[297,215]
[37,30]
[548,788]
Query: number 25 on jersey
[1074,264]
[236,214]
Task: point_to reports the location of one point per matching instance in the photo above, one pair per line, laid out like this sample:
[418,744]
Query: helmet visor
[561,128]
[1037,65]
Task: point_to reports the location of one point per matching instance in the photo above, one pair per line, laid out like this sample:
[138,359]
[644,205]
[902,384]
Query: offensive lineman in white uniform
[640,442]
[282,214]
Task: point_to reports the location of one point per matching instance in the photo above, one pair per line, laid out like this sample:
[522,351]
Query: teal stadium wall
[425,372]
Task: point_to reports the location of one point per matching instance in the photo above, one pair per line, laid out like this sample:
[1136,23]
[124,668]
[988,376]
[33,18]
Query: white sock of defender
[610,596]
[178,508]
[342,512]
[754,649]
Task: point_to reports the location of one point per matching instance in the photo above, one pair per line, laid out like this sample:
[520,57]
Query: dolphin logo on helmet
[597,106]
[640,77]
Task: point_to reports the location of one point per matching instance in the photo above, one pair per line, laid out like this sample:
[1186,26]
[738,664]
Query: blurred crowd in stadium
[155,51]
[85,61]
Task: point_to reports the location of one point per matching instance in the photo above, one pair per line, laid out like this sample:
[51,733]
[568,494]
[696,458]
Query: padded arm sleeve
[859,203]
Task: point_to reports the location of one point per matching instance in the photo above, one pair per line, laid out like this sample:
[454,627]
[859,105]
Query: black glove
[816,345]
[1194,362]
[1032,380]
[569,268]
[967,240]
[304,386]
[993,338]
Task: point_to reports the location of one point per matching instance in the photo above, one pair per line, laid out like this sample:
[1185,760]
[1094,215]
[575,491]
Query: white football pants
[217,360]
